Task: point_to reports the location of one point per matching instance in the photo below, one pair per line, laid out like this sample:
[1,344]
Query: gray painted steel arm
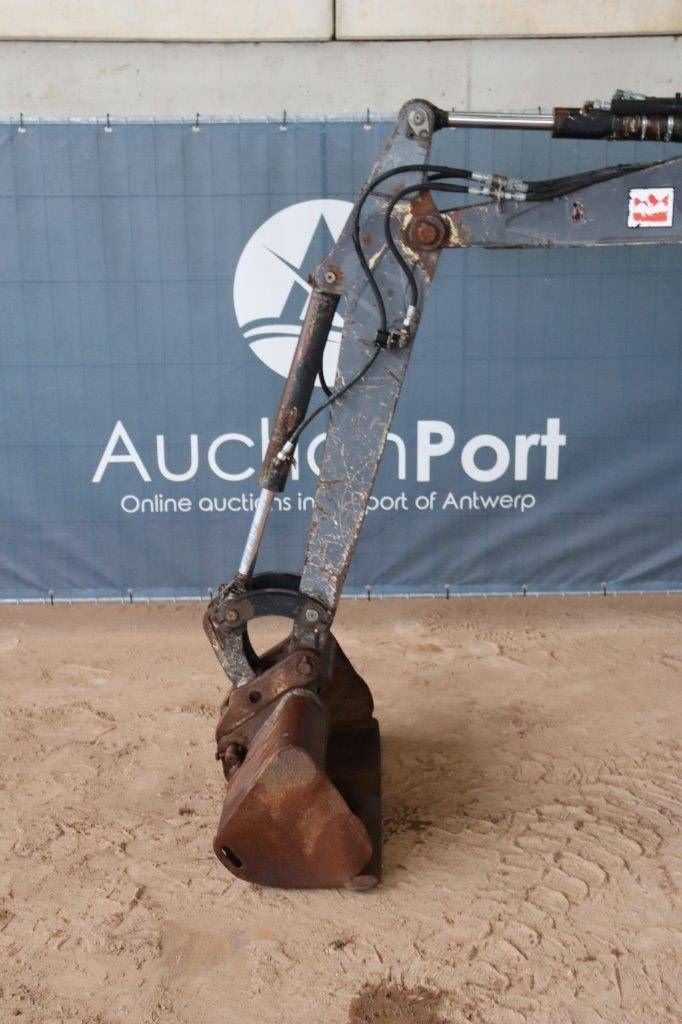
[359,423]
[591,215]
[597,215]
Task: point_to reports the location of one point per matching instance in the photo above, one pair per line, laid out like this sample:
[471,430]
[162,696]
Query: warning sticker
[651,207]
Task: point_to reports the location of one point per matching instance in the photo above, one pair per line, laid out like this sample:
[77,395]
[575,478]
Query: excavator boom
[297,739]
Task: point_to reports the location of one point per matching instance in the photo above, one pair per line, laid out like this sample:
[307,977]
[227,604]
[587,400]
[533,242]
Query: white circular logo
[271,290]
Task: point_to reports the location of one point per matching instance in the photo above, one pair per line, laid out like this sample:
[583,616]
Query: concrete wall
[261,20]
[451,19]
[225,20]
[172,80]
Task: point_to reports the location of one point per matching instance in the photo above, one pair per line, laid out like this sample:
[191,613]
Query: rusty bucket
[299,747]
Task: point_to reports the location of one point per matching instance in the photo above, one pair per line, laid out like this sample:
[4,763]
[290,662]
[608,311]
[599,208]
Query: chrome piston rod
[469,119]
[253,541]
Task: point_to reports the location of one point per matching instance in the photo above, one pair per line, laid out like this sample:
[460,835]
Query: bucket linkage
[299,747]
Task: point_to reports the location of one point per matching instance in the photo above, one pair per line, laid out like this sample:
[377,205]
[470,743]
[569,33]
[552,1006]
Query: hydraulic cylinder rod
[637,118]
[469,119]
[253,541]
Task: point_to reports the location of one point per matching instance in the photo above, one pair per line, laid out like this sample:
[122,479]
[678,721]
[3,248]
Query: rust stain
[422,203]
[335,269]
[386,1003]
[429,231]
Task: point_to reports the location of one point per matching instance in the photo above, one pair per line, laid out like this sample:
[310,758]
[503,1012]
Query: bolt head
[312,615]
[330,276]
[418,116]
[426,233]
[306,667]
[231,615]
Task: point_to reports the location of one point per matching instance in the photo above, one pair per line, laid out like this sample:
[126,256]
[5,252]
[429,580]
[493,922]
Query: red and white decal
[651,207]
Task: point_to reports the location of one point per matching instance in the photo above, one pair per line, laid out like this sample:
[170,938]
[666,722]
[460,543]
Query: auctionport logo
[271,289]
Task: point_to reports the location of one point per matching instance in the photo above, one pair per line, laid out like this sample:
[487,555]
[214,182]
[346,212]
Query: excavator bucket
[301,756]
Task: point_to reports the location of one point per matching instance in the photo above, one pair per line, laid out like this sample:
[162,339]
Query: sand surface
[532,810]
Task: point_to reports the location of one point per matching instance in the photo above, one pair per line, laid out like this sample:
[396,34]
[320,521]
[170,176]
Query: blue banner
[153,281]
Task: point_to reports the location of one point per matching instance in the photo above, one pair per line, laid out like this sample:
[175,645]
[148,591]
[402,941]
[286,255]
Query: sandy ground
[533,855]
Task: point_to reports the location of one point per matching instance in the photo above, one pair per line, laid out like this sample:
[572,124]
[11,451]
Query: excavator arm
[297,739]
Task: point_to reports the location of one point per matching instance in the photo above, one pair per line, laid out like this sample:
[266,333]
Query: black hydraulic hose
[435,172]
[553,188]
[323,383]
[432,185]
[333,397]
[453,172]
[382,334]
[320,373]
[538,191]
